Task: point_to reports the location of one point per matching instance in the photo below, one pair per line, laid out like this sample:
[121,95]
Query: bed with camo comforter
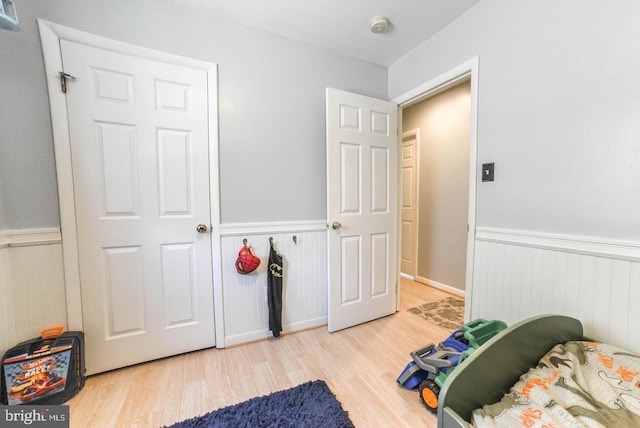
[577,384]
[543,373]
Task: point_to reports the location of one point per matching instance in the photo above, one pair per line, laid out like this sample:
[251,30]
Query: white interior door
[362,205]
[409,223]
[139,147]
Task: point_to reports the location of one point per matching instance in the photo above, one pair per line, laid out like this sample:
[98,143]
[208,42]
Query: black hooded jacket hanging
[274,291]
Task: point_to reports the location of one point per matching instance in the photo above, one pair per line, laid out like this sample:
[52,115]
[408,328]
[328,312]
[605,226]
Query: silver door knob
[201,228]
[336,225]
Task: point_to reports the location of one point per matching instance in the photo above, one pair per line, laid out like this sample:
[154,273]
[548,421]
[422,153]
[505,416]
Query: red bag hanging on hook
[246,261]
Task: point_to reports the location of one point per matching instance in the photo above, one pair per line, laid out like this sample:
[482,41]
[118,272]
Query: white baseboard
[307,324]
[440,286]
[409,277]
[253,336]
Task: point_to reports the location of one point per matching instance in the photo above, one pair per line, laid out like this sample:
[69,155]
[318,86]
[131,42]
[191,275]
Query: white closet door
[139,147]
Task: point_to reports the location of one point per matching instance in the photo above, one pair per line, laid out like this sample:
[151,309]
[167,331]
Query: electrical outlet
[487,171]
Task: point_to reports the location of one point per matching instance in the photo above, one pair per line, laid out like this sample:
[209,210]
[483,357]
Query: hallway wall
[444,123]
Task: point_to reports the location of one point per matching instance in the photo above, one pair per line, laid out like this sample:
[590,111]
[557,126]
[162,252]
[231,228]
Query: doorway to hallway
[467,71]
[436,187]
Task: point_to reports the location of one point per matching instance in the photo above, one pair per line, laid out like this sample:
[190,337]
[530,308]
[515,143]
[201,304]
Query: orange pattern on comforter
[577,384]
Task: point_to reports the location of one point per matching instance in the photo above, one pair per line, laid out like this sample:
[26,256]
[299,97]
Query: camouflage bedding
[577,384]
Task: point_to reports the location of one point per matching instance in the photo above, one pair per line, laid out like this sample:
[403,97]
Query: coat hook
[271,240]
[244,241]
[295,239]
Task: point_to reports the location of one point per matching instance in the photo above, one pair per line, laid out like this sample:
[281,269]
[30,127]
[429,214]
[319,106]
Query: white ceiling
[342,25]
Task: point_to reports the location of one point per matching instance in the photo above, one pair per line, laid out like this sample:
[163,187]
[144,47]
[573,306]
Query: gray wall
[559,109]
[444,121]
[271,106]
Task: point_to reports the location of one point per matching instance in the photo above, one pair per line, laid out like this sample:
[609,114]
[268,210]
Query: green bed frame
[496,366]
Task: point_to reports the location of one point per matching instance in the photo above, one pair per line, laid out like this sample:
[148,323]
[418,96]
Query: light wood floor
[359,364]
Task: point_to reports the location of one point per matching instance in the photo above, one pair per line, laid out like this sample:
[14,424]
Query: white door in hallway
[140,161]
[409,177]
[362,207]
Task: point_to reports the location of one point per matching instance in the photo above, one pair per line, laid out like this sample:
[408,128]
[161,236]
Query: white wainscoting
[32,290]
[304,295]
[32,293]
[520,274]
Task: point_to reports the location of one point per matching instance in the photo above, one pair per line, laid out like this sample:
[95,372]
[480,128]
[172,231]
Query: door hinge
[63,80]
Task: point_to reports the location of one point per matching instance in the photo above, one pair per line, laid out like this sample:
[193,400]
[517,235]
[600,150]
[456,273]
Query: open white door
[139,148]
[362,208]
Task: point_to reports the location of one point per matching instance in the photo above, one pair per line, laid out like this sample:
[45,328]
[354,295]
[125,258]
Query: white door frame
[50,35]
[467,70]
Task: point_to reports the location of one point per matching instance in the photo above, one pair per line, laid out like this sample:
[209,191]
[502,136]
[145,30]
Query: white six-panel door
[362,205]
[139,148]
[409,225]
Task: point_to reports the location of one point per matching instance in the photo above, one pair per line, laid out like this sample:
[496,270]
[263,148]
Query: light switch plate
[487,171]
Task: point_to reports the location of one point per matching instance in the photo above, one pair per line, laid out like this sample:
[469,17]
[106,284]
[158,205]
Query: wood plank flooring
[359,364]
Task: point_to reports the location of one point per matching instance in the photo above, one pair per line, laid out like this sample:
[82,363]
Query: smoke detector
[380,24]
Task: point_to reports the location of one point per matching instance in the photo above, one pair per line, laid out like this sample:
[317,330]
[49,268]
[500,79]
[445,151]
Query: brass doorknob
[201,228]
[336,225]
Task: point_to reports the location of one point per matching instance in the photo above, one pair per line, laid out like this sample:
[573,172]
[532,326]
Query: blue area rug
[310,405]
